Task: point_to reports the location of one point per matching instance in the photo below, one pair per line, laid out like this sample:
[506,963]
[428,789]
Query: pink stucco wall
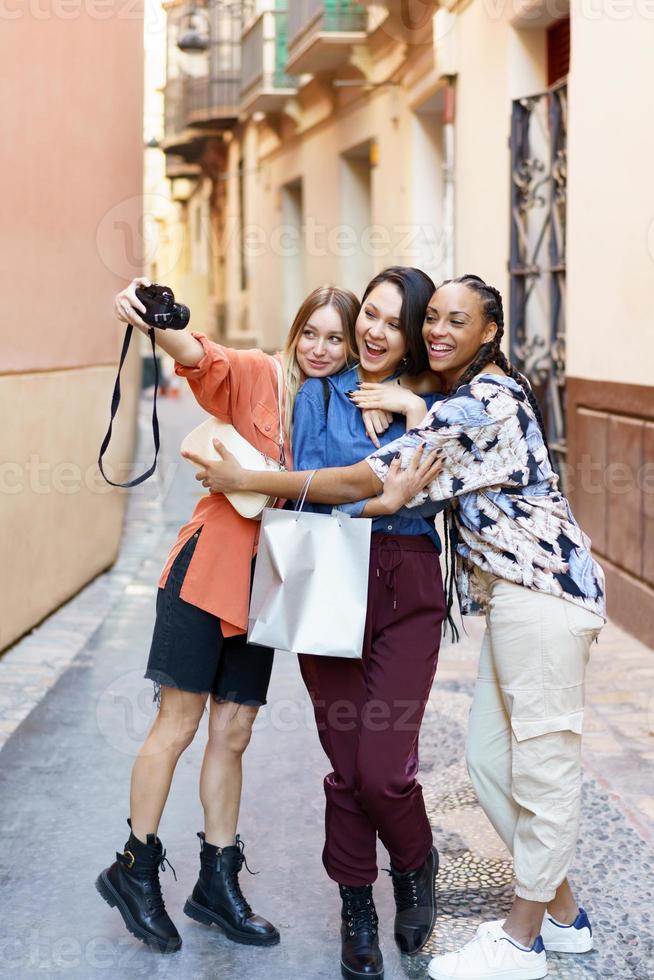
[71,163]
[71,175]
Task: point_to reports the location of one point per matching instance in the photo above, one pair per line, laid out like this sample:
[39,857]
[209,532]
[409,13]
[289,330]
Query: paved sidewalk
[74,708]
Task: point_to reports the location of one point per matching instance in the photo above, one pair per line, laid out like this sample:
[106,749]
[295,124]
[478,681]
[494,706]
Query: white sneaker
[577,938]
[491,955]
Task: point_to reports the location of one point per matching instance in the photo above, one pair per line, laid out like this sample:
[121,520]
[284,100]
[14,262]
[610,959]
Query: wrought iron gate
[538,254]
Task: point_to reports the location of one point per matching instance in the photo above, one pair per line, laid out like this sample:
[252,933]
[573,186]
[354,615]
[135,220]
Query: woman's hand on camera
[127,305]
[180,344]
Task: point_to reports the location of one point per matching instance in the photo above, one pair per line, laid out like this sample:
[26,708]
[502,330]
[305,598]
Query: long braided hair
[489,353]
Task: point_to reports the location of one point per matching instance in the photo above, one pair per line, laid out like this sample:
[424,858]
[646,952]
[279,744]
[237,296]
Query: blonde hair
[347,306]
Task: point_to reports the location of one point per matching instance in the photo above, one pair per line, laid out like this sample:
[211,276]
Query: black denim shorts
[189,651]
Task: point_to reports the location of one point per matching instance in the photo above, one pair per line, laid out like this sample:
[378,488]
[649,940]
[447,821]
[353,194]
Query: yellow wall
[61,524]
[496,53]
[492,62]
[315,157]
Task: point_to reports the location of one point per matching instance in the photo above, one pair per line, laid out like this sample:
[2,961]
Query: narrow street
[74,708]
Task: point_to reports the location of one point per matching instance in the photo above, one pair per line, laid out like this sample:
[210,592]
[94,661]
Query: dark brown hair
[417,289]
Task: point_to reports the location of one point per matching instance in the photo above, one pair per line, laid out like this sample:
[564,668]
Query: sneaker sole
[114,900]
[536,974]
[586,947]
[414,952]
[199,913]
[355,975]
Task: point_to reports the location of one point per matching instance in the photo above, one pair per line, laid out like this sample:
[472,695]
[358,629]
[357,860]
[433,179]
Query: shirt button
[390,527]
[267,428]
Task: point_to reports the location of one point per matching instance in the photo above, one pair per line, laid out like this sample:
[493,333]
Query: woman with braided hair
[522,561]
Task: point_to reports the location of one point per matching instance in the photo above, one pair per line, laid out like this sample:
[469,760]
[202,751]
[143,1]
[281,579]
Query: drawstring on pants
[389,558]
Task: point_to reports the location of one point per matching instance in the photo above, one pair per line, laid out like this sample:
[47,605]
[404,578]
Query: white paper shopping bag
[310,588]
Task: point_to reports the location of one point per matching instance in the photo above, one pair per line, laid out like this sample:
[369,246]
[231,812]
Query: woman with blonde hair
[199,646]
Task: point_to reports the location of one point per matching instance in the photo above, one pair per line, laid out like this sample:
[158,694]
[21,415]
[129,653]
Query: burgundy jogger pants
[369,713]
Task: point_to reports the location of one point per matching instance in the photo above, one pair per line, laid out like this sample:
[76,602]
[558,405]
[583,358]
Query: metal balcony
[264,83]
[321,34]
[213,101]
[179,139]
[195,108]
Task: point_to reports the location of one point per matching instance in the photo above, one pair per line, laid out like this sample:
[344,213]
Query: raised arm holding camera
[199,653]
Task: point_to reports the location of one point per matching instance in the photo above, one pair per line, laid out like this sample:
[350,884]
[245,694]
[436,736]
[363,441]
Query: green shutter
[343,15]
[281,45]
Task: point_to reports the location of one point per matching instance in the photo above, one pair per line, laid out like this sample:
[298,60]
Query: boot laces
[152,885]
[239,899]
[234,885]
[163,862]
[405,888]
[243,860]
[360,916]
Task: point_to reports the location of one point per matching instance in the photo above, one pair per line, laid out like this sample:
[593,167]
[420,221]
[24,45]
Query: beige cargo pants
[524,740]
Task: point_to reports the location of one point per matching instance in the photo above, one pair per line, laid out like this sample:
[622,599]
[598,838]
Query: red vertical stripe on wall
[558,50]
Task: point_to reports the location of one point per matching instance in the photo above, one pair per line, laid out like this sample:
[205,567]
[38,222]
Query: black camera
[161,309]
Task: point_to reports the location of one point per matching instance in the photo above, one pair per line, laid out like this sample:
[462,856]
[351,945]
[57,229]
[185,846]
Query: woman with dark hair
[522,560]
[369,711]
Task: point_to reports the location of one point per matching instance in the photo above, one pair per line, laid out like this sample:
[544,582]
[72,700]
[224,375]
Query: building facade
[72,163]
[502,138]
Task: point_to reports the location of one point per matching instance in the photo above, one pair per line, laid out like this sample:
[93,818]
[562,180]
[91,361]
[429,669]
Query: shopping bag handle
[305,489]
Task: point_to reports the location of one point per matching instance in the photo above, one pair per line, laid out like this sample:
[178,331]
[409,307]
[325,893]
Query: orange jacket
[237,386]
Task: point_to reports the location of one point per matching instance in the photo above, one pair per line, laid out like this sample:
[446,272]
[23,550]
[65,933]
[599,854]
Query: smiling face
[380,339]
[455,328]
[321,348]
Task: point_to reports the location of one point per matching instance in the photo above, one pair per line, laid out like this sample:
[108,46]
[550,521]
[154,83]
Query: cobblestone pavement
[73,711]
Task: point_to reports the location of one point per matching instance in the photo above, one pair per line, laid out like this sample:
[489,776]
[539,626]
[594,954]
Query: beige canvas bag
[200,442]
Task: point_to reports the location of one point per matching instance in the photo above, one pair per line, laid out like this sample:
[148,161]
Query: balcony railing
[264,81]
[193,105]
[215,101]
[196,105]
[179,139]
[321,33]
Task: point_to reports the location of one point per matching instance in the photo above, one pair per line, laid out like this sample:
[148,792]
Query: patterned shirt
[511,518]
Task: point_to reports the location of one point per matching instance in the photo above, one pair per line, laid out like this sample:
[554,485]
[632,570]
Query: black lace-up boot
[360,952]
[132,886]
[415,902]
[217,897]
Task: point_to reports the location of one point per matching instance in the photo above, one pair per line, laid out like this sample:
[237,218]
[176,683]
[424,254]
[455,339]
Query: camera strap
[115,402]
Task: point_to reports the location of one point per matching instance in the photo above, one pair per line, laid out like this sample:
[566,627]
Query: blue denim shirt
[340,439]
